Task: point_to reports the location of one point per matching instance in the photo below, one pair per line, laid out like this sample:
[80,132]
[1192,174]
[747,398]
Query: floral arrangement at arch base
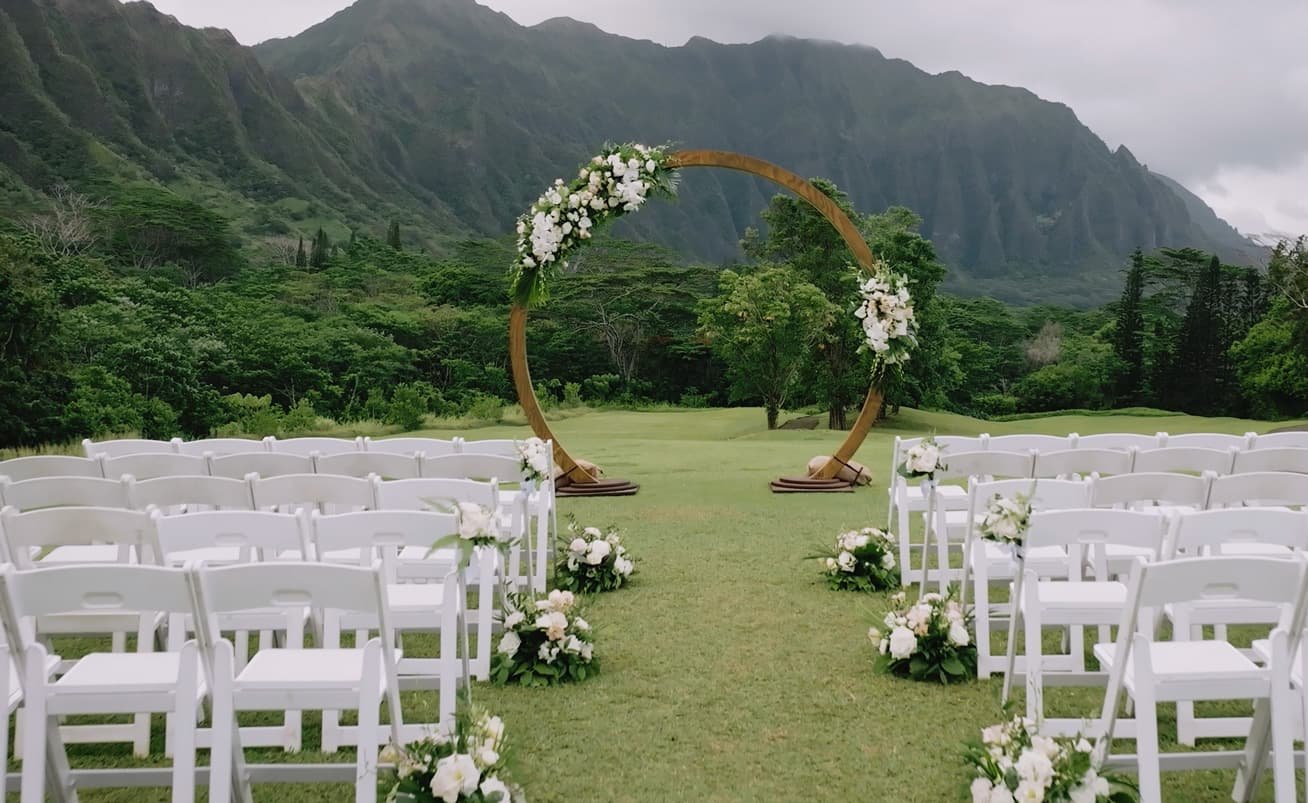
[545,641]
[467,765]
[863,560]
[617,180]
[1014,763]
[595,560]
[928,640]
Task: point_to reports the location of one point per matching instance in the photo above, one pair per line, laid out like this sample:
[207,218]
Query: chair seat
[125,673]
[1253,548]
[1262,650]
[1066,594]
[1119,551]
[998,553]
[1187,661]
[415,596]
[212,556]
[316,669]
[84,553]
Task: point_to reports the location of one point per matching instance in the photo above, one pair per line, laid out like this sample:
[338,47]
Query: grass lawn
[730,671]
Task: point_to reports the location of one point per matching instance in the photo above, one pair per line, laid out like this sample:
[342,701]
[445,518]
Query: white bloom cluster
[535,456]
[886,312]
[477,525]
[595,560]
[465,766]
[1006,520]
[923,460]
[931,616]
[616,181]
[870,547]
[563,634]
[1018,764]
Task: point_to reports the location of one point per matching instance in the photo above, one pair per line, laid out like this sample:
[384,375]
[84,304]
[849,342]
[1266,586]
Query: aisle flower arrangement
[1014,763]
[862,560]
[595,560]
[546,641]
[466,766]
[1006,520]
[885,311]
[476,528]
[928,640]
[616,181]
[923,460]
[535,456]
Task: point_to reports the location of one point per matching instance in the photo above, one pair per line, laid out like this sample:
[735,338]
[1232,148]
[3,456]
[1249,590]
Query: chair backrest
[1281,440]
[1117,441]
[432,447]
[1083,462]
[1207,440]
[1214,529]
[49,465]
[987,464]
[292,586]
[1154,488]
[214,493]
[360,464]
[254,533]
[97,588]
[1273,580]
[265,464]
[379,535]
[422,494]
[1287,458]
[949,444]
[155,464]
[1044,494]
[218,446]
[1086,534]
[118,448]
[504,447]
[1026,443]
[76,526]
[44,492]
[1189,459]
[473,466]
[1258,489]
[328,492]
[312,446]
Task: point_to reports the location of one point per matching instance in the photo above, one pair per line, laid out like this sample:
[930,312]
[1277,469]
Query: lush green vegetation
[731,671]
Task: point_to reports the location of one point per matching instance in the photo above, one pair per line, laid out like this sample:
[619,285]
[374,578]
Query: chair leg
[223,725]
[184,716]
[981,611]
[905,547]
[331,720]
[1186,726]
[1033,653]
[365,787]
[1146,745]
[1282,720]
[35,727]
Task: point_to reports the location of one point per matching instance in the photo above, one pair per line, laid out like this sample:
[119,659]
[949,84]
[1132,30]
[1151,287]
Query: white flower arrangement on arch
[1014,763]
[466,765]
[618,180]
[595,560]
[928,640]
[1006,520]
[885,311]
[546,641]
[535,457]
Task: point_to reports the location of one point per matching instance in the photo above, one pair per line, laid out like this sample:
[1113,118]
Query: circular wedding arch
[576,473]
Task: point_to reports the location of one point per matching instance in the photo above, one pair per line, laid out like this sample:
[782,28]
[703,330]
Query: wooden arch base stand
[576,480]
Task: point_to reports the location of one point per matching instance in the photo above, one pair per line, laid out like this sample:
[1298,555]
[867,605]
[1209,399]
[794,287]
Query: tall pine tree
[322,247]
[393,235]
[1128,335]
[1201,371]
[301,258]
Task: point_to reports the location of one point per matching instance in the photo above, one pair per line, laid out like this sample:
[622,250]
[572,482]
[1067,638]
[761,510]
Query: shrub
[992,404]
[299,420]
[601,387]
[572,394]
[487,409]
[407,408]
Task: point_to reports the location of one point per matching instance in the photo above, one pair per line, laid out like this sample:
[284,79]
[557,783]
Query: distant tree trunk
[773,413]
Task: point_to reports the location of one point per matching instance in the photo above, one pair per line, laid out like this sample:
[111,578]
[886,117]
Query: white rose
[981,791]
[1035,767]
[958,635]
[1004,528]
[902,643]
[1000,794]
[494,786]
[593,532]
[514,619]
[846,561]
[598,551]
[581,624]
[474,520]
[887,561]
[624,566]
[578,545]
[1101,786]
[455,775]
[650,166]
[494,728]
[831,564]
[587,650]
[554,624]
[1081,794]
[1029,792]
[486,758]
[572,645]
[510,643]
[874,635]
[561,600]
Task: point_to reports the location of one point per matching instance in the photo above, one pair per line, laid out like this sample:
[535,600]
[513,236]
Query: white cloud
[1211,92]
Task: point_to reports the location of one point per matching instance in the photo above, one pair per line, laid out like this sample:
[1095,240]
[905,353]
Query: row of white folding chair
[304,446]
[177,682]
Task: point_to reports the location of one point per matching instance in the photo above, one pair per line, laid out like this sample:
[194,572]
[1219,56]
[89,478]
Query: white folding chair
[51,465]
[432,447]
[541,503]
[1292,459]
[1259,489]
[1117,441]
[386,465]
[1277,440]
[1078,463]
[188,494]
[989,562]
[45,492]
[100,683]
[1218,441]
[906,498]
[1087,597]
[296,677]
[1153,672]
[1028,443]
[150,465]
[949,527]
[1269,532]
[307,447]
[238,466]
[117,448]
[504,447]
[1158,493]
[473,466]
[378,536]
[326,492]
[1187,459]
[218,446]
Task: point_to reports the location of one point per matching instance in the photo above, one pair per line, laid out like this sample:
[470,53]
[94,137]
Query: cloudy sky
[1211,92]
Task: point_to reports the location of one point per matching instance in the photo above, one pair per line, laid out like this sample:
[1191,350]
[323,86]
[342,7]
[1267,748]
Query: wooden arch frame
[746,164]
